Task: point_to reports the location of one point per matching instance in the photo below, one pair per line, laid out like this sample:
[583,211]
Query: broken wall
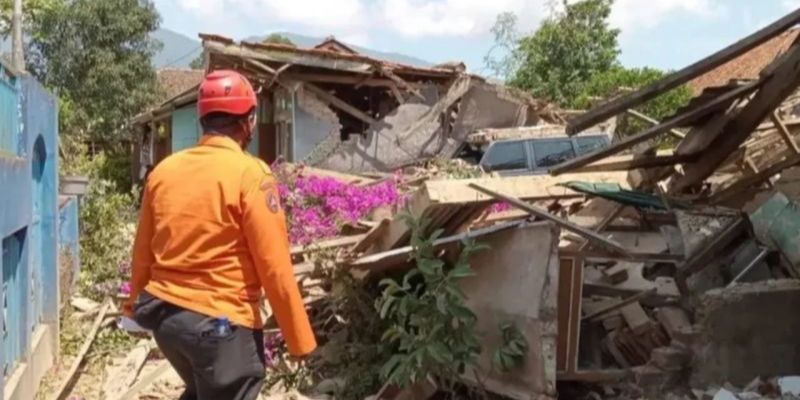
[409,133]
[316,128]
[747,331]
[523,262]
[486,106]
[414,131]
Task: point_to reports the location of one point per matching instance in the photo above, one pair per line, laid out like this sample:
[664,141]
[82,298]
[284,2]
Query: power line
[173,62]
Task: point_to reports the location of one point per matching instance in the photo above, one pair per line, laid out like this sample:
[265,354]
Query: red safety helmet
[225,91]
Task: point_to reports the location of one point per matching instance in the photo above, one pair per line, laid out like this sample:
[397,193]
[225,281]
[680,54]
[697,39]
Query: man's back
[212,235]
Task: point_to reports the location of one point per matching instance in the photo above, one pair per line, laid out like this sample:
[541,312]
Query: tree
[506,42]
[96,55]
[570,47]
[618,79]
[31,11]
[198,62]
[277,38]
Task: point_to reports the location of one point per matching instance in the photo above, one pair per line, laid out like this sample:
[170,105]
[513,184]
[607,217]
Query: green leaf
[461,271]
[390,366]
[462,312]
[387,304]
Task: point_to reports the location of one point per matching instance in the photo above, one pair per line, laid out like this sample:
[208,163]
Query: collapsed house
[332,108]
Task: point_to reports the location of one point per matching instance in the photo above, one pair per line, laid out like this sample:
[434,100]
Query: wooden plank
[285,56]
[630,300]
[671,81]
[401,83]
[62,391]
[749,181]
[371,237]
[626,163]
[652,121]
[775,89]
[784,132]
[652,132]
[397,257]
[591,235]
[340,104]
[334,243]
[124,375]
[594,376]
[146,381]
[703,257]
[529,188]
[339,79]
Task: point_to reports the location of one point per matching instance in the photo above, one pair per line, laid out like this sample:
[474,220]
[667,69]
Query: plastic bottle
[222,327]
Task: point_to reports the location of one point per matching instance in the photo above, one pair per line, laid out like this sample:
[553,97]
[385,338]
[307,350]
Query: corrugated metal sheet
[777,224]
[9,113]
[613,192]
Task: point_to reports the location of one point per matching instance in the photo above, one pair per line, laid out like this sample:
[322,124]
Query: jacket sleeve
[264,225]
[143,257]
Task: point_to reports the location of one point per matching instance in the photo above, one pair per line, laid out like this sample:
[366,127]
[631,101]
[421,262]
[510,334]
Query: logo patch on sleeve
[271,194]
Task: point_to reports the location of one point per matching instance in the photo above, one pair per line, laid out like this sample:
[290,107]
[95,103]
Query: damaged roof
[748,65]
[176,81]
[319,58]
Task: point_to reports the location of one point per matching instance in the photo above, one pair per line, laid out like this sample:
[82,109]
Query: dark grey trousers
[213,368]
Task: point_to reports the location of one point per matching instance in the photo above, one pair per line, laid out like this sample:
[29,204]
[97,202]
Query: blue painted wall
[69,236]
[186,130]
[28,216]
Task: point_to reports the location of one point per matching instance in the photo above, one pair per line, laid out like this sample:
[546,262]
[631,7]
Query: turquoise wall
[28,217]
[186,130]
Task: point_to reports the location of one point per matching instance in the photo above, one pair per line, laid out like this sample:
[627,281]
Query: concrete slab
[517,282]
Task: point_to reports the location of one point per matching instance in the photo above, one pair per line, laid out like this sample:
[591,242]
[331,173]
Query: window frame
[525,147]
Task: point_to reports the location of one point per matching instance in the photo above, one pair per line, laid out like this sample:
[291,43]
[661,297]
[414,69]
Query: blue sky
[666,34]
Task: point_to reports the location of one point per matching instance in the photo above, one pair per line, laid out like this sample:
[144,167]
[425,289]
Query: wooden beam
[626,163]
[340,104]
[652,121]
[630,300]
[784,132]
[528,188]
[652,132]
[588,234]
[775,88]
[702,258]
[339,79]
[146,381]
[401,83]
[69,378]
[748,181]
[334,243]
[671,81]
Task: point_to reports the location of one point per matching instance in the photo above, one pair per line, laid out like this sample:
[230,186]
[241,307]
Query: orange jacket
[212,235]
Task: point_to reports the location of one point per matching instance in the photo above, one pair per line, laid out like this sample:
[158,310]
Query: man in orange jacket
[211,237]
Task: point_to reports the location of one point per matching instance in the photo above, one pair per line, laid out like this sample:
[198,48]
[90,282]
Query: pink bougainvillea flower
[125,288]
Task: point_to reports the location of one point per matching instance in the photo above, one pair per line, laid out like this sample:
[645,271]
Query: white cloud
[419,18]
[204,8]
[791,4]
[317,14]
[633,15]
[356,21]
